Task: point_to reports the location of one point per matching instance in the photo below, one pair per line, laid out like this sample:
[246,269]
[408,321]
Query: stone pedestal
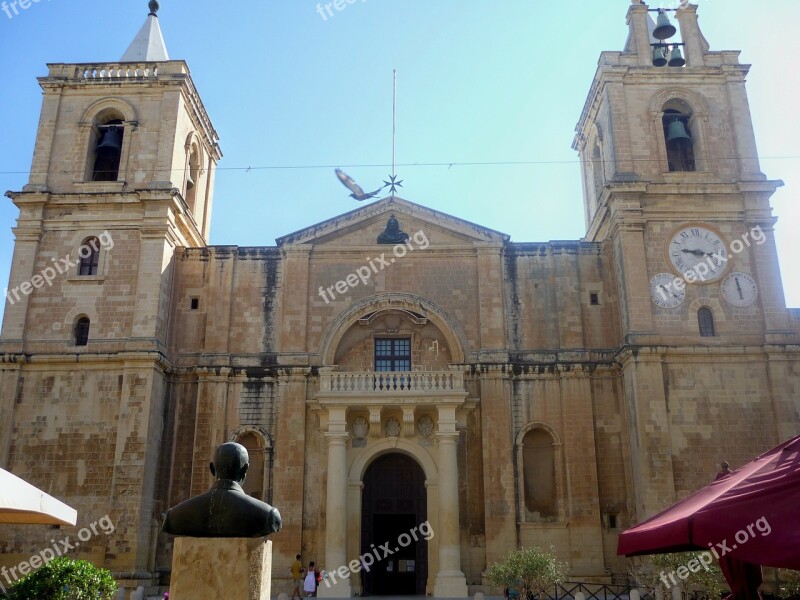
[230,568]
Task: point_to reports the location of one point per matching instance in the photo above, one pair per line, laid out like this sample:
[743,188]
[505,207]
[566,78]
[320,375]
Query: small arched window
[598,172]
[678,135]
[81,331]
[193,172]
[108,150]
[705,320]
[539,474]
[89,254]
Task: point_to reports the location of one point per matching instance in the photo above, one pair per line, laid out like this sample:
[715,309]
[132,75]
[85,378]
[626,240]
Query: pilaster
[648,426]
[288,469]
[294,307]
[498,468]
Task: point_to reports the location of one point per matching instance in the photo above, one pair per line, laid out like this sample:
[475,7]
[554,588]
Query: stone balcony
[400,387]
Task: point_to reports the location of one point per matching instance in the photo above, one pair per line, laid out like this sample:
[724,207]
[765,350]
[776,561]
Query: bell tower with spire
[122,175]
[673,187]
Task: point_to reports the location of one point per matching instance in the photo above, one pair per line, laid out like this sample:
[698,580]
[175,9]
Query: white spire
[148,45]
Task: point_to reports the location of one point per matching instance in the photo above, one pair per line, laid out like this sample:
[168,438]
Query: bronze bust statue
[392,234]
[225,510]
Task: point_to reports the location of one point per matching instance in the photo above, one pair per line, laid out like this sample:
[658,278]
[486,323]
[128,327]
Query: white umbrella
[21,502]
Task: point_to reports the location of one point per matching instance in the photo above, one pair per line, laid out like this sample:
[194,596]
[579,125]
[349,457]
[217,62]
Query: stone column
[637,23]
[336,514]
[450,581]
[696,44]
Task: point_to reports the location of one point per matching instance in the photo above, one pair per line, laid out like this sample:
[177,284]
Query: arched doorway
[393,508]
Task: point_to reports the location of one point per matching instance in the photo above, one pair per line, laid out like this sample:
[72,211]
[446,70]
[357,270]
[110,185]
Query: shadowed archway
[394,505]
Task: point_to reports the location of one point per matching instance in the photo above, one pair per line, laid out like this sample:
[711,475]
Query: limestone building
[443,389]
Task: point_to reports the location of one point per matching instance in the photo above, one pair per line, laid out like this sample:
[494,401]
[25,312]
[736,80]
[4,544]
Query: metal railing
[595,591]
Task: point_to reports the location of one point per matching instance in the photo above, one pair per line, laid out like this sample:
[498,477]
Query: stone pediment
[362,226]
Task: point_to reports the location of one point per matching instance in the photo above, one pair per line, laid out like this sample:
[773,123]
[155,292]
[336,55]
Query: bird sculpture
[351,185]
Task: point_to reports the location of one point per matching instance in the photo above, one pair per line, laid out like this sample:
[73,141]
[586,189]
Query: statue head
[393,226]
[725,465]
[230,462]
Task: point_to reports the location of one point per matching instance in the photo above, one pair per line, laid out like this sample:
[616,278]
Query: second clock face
[664,292]
[740,290]
[698,254]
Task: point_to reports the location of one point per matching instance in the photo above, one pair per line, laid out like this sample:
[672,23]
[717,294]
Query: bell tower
[673,186]
[124,148]
[665,110]
[122,175]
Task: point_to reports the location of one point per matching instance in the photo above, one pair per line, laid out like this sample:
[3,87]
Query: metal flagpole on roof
[393,184]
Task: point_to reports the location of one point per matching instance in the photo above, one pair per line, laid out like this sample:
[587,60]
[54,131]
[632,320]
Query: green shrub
[65,579]
[661,571]
[789,583]
[530,571]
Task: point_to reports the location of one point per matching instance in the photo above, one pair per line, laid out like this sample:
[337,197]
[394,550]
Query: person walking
[297,577]
[310,583]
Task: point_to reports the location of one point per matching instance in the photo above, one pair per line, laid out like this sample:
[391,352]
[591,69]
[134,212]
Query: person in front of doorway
[310,584]
[297,577]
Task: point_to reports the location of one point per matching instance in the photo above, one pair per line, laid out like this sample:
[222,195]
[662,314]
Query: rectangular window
[393,354]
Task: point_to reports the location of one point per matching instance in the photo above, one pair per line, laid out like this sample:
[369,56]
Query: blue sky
[478,81]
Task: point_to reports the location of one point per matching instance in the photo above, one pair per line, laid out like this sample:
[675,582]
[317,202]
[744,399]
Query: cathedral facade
[415,391]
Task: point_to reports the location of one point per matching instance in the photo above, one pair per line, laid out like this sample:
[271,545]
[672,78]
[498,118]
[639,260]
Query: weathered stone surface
[230,568]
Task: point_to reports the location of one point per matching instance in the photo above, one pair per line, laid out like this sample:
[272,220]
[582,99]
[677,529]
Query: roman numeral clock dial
[698,254]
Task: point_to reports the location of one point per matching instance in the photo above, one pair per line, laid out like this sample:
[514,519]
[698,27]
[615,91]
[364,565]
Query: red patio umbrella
[751,515]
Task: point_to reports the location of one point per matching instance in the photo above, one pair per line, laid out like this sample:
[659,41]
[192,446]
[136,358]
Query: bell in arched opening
[108,152]
[677,134]
[111,143]
[680,146]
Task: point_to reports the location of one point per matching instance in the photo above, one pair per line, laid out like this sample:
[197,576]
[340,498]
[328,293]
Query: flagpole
[394,119]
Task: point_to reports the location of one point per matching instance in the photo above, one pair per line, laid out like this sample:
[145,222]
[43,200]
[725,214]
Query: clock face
[665,293]
[699,254]
[739,289]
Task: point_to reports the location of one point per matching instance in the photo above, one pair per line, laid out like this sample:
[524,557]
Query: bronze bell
[677,134]
[664,29]
[659,56]
[676,58]
[111,143]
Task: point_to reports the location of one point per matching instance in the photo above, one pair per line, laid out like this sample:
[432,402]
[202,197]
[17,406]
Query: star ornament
[393,184]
